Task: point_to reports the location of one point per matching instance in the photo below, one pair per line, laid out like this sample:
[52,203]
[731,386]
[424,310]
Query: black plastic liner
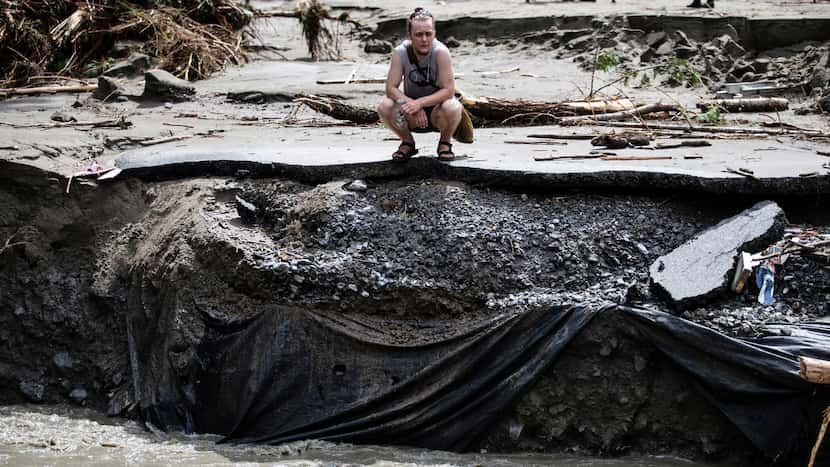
[294,374]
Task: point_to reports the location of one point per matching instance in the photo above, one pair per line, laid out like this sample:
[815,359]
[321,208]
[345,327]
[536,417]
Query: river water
[68,436]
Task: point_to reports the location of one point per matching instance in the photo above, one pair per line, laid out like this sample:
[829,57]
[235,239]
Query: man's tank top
[420,80]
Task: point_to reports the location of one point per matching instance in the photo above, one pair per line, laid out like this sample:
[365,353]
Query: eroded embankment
[120,290]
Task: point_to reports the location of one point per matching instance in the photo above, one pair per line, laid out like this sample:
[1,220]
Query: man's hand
[411,107]
[418,120]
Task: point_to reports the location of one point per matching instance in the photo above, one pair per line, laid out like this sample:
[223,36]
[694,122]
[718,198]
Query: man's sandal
[446,154]
[402,156]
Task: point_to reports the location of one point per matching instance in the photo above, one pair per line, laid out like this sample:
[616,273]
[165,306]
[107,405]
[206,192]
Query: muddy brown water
[69,436]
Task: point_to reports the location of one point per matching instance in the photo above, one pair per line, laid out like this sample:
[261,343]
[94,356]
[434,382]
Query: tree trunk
[754,104]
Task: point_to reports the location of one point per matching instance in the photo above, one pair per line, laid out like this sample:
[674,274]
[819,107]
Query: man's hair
[418,13]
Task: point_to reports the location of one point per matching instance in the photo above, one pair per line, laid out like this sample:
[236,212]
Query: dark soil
[419,257]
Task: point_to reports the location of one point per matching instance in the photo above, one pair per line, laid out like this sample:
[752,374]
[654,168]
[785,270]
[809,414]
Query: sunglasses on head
[420,12]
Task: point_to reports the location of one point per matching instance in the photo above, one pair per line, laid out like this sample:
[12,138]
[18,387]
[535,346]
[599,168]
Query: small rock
[247,211]
[78,395]
[62,117]
[377,46]
[642,249]
[656,39]
[357,185]
[728,46]
[686,52]
[682,39]
[666,48]
[63,360]
[452,42]
[32,391]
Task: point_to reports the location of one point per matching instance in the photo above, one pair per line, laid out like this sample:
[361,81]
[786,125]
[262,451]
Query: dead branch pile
[190,38]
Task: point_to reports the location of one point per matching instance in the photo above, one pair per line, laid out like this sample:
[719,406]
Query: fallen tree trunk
[754,104]
[524,111]
[337,109]
[51,89]
[639,112]
[814,370]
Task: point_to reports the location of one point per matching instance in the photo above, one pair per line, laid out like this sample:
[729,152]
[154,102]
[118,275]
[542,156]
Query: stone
[357,185]
[377,46]
[682,39]
[452,42]
[32,391]
[159,84]
[108,88]
[665,48]
[63,360]
[728,46]
[701,268]
[761,65]
[685,52]
[78,395]
[247,211]
[133,65]
[571,34]
[62,117]
[656,38]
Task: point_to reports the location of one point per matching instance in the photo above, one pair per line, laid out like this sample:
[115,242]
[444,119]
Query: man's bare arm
[394,78]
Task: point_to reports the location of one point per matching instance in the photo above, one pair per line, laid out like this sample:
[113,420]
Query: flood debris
[701,268]
[621,140]
[192,38]
[755,104]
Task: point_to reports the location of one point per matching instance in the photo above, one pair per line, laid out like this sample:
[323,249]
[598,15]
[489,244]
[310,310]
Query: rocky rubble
[436,247]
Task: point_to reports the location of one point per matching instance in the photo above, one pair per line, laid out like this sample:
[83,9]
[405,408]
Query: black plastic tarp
[294,374]
[300,374]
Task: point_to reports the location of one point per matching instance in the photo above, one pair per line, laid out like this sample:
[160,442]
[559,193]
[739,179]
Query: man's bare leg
[446,116]
[388,115]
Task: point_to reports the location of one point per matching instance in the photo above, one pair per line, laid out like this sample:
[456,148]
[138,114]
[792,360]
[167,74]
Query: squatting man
[427,102]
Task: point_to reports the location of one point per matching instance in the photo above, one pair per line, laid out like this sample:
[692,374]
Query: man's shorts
[429,128]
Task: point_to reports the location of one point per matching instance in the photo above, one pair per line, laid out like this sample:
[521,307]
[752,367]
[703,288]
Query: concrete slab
[701,268]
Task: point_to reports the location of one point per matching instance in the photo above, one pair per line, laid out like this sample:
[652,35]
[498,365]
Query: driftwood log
[753,104]
[814,370]
[636,113]
[337,109]
[519,111]
[50,89]
[621,140]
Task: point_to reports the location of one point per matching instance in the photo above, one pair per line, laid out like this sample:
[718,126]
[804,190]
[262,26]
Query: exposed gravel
[443,249]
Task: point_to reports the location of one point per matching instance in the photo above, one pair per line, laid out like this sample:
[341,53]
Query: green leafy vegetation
[606,60]
[712,116]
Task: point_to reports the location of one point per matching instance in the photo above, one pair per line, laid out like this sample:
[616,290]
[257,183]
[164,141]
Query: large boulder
[159,84]
[701,268]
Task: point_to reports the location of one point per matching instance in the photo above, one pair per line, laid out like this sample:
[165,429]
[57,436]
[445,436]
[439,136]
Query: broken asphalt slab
[328,154]
[700,269]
